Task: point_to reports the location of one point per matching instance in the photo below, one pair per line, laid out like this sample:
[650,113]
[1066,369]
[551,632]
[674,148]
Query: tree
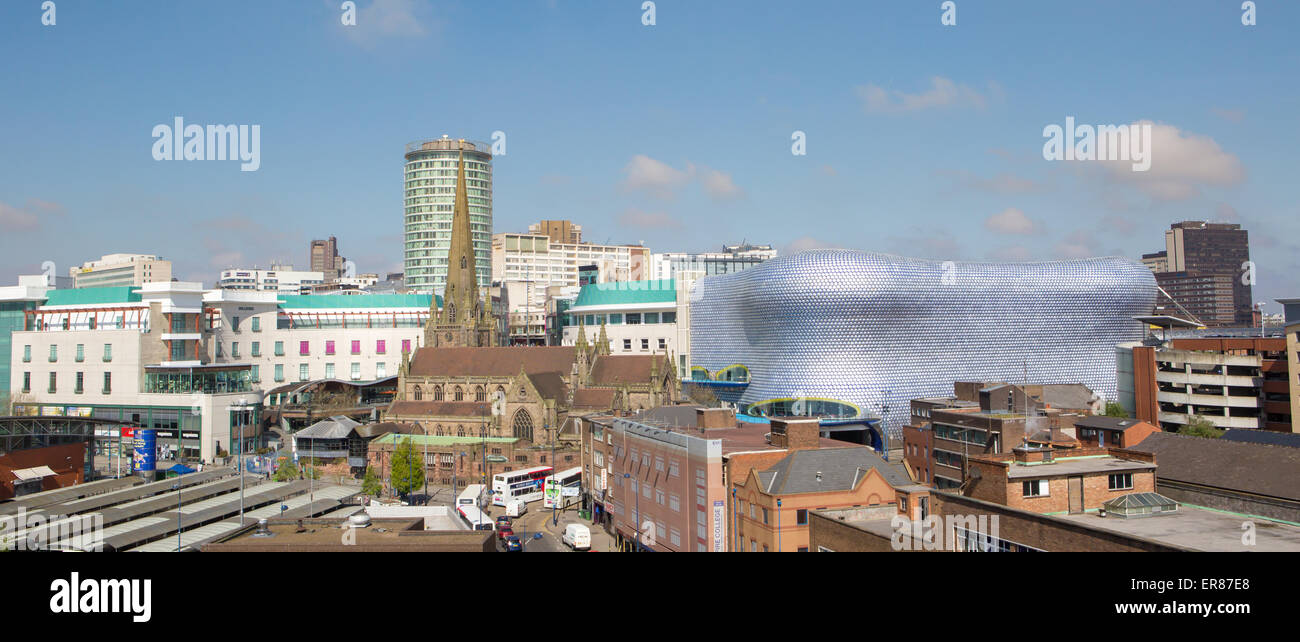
[288,471]
[1201,427]
[1114,409]
[407,473]
[371,484]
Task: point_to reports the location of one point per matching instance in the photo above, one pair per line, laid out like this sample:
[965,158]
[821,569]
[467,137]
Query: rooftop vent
[359,520]
[263,529]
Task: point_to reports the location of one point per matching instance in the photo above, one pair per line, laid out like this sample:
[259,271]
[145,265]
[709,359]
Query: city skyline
[683,128]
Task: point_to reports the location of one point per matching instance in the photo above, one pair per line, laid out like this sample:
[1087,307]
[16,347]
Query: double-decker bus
[525,485]
[474,518]
[553,495]
[471,496]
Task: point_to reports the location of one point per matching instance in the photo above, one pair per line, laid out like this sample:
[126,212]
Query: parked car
[504,531]
[503,520]
[513,545]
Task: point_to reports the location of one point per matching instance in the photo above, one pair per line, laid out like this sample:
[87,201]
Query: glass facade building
[430,195]
[844,333]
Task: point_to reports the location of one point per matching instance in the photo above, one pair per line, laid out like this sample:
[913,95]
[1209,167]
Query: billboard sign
[145,457]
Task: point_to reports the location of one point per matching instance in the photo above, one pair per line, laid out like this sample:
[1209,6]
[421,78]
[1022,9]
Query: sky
[920,138]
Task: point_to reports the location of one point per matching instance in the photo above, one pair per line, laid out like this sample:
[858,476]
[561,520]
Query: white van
[577,537]
[515,508]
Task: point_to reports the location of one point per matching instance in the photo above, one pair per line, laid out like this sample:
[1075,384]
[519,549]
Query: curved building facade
[430,195]
[845,334]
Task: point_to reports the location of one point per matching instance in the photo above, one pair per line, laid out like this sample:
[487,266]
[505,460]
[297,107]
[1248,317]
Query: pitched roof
[1232,465]
[439,409]
[492,362]
[551,385]
[841,469]
[602,398]
[337,427]
[618,369]
[370,431]
[1288,439]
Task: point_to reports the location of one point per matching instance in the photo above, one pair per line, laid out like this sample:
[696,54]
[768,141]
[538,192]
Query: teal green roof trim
[624,292]
[356,301]
[94,296]
[441,440]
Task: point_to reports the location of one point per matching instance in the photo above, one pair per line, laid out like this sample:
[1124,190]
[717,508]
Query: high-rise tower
[430,185]
[465,319]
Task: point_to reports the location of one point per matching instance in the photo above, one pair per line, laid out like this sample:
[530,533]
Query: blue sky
[922,139]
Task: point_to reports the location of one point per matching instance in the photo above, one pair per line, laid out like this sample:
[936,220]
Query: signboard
[145,457]
[171,434]
[719,522]
[551,495]
[570,491]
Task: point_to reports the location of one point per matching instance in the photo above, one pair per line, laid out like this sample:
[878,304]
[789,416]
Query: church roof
[439,409]
[492,362]
[619,369]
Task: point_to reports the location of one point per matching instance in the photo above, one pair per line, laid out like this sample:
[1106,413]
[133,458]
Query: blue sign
[145,457]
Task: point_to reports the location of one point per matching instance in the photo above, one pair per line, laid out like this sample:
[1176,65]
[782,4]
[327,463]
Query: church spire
[460,298]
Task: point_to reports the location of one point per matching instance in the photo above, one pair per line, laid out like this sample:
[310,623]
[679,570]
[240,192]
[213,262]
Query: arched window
[480,395]
[482,431]
[523,425]
[460,431]
[460,394]
[439,430]
[418,394]
[501,390]
[437,393]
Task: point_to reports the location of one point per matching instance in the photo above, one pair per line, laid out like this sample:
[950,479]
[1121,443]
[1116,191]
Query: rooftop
[627,292]
[1217,463]
[1087,464]
[441,440]
[402,534]
[826,469]
[93,296]
[1197,528]
[358,301]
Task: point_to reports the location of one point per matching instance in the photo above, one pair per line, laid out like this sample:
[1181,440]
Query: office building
[636,317]
[118,270]
[538,259]
[15,302]
[1197,248]
[323,256]
[278,278]
[430,193]
[558,231]
[732,258]
[851,336]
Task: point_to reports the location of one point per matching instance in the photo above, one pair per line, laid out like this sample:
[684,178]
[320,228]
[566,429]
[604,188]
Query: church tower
[465,319]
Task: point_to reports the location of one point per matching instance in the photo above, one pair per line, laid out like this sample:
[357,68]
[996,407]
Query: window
[329,348]
[752,512]
[234,350]
[234,323]
[645,491]
[659,464]
[651,317]
[380,347]
[674,503]
[645,344]
[801,517]
[672,469]
[329,371]
[634,319]
[1035,488]
[54,382]
[356,346]
[27,382]
[659,497]
[802,549]
[663,343]
[220,352]
[356,371]
[627,345]
[81,352]
[764,515]
[279,372]
[675,537]
[54,353]
[80,381]
[380,372]
[302,372]
[406,345]
[255,375]
[304,348]
[1121,481]
[108,382]
[257,324]
[27,354]
[279,348]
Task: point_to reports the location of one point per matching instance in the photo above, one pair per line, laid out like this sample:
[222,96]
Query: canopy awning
[38,472]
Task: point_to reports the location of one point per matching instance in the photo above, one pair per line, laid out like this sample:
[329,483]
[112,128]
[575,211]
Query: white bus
[554,495]
[471,496]
[525,485]
[474,518]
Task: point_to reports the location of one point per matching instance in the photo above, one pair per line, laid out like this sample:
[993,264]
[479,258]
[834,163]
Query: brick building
[1044,480]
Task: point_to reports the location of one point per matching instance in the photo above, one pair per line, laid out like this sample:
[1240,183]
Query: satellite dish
[499,404]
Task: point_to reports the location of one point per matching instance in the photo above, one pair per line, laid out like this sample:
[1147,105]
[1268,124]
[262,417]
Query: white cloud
[719,186]
[942,93]
[385,19]
[656,178]
[1011,221]
[13,219]
[1181,164]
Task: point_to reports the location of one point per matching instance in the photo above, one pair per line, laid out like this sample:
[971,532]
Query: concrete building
[732,258]
[1200,249]
[1238,382]
[1157,261]
[1048,481]
[281,279]
[323,257]
[558,231]
[637,317]
[139,356]
[117,270]
[430,192]
[288,338]
[1207,296]
[539,259]
[15,302]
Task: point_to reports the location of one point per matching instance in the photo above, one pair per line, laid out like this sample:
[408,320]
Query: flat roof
[1198,528]
[1075,466]
[328,534]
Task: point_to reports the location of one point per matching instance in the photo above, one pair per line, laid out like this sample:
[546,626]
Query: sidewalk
[600,540]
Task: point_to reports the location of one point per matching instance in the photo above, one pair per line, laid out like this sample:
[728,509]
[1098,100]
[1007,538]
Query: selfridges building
[849,335]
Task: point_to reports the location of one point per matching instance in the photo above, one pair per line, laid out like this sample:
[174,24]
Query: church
[450,385]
